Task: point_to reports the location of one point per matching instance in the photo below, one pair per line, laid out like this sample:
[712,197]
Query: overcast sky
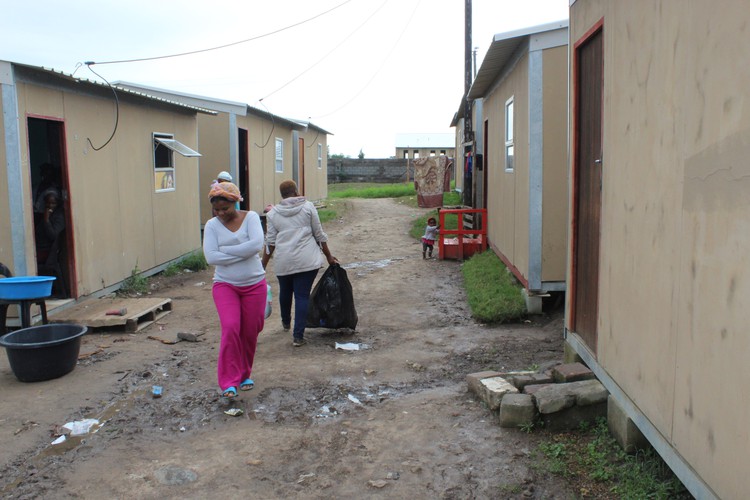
[365,70]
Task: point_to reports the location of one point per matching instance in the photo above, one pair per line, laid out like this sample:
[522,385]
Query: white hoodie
[294,228]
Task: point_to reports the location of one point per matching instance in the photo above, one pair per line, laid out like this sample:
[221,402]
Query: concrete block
[570,355]
[517,410]
[591,392]
[571,418]
[533,302]
[521,381]
[557,397]
[494,389]
[533,388]
[572,372]
[625,432]
[473,381]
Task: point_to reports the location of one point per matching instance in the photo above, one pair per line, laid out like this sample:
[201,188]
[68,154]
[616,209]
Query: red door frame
[70,263]
[595,29]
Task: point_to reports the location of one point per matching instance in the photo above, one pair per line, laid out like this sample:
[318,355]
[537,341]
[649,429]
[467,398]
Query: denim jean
[299,286]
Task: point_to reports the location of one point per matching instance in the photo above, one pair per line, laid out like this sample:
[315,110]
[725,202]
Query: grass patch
[492,291]
[135,284]
[194,262]
[371,190]
[595,465]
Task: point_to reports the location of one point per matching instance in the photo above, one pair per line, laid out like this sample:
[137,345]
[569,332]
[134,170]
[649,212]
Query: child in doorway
[430,235]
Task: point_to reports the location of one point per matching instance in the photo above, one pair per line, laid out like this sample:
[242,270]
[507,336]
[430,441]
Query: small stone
[254,461]
[393,475]
[377,483]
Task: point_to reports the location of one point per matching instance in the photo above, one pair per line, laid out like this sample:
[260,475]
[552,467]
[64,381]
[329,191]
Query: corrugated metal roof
[71,77]
[503,46]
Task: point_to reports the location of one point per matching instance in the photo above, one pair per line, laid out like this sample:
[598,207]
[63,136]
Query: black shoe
[297,342]
[285,326]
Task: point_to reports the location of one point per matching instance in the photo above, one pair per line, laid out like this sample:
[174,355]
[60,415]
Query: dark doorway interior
[53,240]
[243,167]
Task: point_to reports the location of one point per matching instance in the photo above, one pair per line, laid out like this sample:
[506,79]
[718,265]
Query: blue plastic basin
[26,287]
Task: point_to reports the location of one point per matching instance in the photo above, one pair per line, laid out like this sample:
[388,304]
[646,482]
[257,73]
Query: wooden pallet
[141,313]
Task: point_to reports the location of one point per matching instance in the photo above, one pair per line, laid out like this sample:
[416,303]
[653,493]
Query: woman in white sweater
[232,241]
[295,235]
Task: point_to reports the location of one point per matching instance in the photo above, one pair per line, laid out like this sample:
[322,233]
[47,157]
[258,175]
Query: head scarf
[225,190]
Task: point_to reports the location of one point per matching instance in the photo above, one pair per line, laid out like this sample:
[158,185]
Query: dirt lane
[393,420]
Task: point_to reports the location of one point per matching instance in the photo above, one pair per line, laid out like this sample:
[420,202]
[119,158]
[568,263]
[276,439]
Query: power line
[395,44]
[332,50]
[89,63]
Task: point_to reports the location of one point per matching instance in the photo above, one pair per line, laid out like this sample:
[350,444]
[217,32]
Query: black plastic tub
[43,352]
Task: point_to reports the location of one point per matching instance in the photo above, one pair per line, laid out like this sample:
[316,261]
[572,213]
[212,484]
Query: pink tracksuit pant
[242,315]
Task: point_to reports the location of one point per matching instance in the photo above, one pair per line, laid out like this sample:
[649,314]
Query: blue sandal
[229,392]
[247,385]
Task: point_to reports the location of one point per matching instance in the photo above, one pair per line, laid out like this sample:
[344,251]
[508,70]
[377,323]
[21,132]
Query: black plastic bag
[332,301]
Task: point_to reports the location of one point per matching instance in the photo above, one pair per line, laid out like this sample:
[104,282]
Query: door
[243,167]
[587,187]
[50,203]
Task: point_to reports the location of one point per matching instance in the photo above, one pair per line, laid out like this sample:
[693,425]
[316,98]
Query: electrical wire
[225,45]
[273,126]
[406,26]
[332,50]
[117,112]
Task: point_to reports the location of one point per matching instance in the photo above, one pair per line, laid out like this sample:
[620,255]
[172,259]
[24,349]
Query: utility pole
[468,132]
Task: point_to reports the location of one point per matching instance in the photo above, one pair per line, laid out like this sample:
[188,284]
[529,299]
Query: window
[432,153]
[406,154]
[165,146]
[320,156]
[279,155]
[416,154]
[442,151]
[509,149]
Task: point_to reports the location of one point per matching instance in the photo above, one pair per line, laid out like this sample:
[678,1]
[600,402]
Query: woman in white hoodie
[294,234]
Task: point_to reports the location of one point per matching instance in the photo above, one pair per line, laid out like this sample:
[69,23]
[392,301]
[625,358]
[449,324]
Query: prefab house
[659,273]
[520,153]
[125,168]
[259,149]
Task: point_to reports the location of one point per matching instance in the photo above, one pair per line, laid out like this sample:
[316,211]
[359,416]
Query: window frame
[510,119]
[320,156]
[279,155]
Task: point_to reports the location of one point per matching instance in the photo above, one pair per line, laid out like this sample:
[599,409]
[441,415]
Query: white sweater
[236,255]
[294,228]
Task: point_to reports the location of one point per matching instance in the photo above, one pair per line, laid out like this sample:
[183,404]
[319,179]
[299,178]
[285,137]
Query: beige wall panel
[316,179]
[46,104]
[6,247]
[555,183]
[710,419]
[676,223]
[508,199]
[6,250]
[214,146]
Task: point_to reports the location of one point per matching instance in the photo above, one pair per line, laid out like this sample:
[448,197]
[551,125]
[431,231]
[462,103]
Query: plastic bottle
[269,301]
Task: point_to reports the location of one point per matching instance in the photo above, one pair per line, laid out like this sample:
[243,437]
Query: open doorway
[243,168]
[53,230]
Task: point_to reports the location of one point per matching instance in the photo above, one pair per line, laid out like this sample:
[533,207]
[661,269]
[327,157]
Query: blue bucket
[26,287]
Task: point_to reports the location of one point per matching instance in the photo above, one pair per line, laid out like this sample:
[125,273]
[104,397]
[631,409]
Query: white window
[320,156]
[164,146]
[509,124]
[432,153]
[279,155]
[416,154]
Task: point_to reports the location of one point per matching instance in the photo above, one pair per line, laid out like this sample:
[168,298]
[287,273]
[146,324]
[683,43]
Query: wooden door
[587,187]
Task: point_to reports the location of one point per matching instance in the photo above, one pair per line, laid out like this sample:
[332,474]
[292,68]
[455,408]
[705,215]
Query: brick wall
[368,170]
